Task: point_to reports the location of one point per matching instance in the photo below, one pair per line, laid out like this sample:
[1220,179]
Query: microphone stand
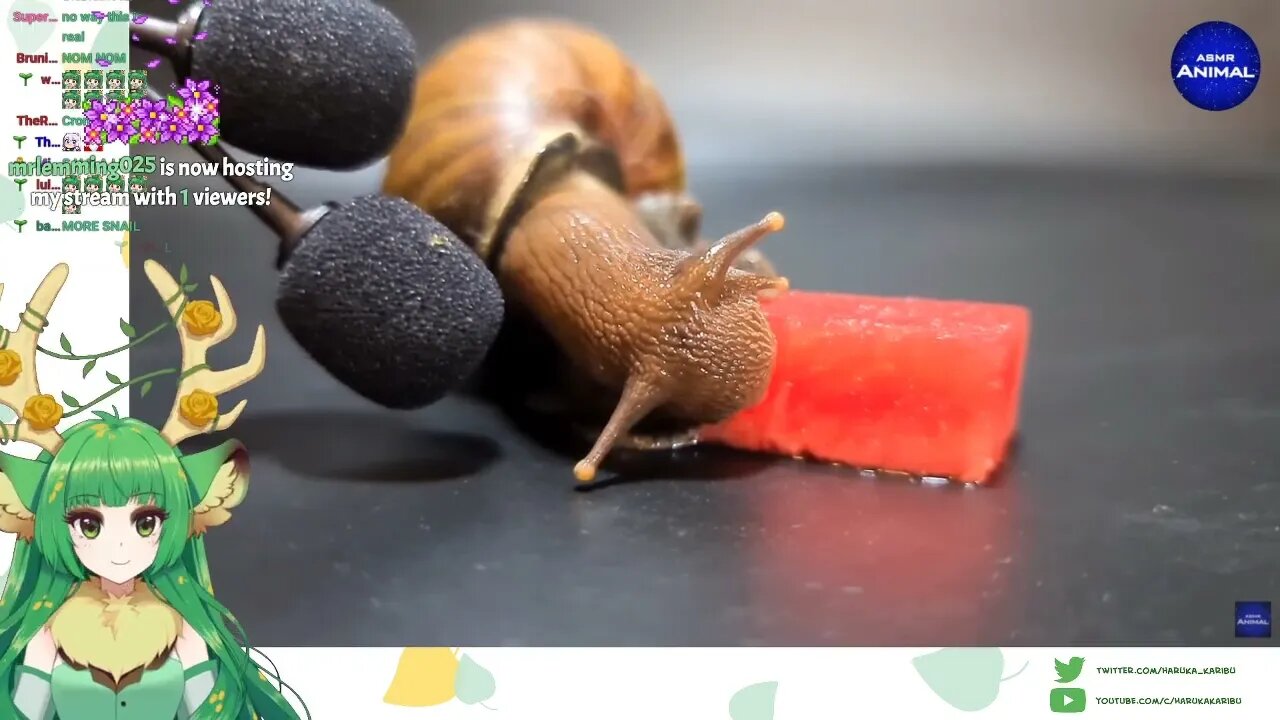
[288,221]
[155,35]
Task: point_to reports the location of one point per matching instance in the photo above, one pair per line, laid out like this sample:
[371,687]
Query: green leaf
[182,275]
[967,679]
[29,37]
[189,288]
[146,388]
[754,702]
[70,401]
[12,199]
[473,683]
[111,378]
[88,368]
[127,329]
[66,344]
[113,41]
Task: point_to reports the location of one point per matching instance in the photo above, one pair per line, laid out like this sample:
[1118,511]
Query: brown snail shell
[541,146]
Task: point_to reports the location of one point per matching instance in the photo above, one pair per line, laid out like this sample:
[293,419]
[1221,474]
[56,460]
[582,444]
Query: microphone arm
[171,40]
[288,221]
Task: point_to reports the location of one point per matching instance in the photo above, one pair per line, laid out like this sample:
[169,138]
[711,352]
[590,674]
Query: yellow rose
[10,366]
[42,412]
[199,407]
[201,318]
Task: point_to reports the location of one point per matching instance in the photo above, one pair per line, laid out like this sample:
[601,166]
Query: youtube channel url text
[1169,701]
[1165,670]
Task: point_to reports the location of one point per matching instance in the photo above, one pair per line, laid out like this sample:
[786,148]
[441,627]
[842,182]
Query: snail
[544,149]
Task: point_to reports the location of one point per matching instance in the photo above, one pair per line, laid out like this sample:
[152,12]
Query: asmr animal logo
[1216,66]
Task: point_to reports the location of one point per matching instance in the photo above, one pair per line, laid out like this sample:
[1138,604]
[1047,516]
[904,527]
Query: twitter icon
[1070,670]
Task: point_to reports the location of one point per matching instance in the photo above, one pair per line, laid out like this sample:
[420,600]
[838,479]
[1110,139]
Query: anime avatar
[92,184]
[71,142]
[90,96]
[137,183]
[137,82]
[93,80]
[70,187]
[109,606]
[115,184]
[70,99]
[71,80]
[116,96]
[115,80]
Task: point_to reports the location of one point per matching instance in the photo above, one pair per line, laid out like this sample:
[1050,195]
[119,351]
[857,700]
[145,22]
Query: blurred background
[840,81]
[1034,153]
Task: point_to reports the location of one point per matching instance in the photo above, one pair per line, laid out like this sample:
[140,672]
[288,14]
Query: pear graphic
[424,677]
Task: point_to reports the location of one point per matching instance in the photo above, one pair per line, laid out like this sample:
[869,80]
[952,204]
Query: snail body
[544,149]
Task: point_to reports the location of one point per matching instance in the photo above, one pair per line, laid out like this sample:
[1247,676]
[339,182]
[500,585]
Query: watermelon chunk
[927,387]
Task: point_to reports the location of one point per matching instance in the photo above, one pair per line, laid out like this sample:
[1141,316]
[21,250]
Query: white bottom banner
[782,684]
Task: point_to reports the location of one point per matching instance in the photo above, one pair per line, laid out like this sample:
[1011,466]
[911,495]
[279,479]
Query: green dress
[163,692]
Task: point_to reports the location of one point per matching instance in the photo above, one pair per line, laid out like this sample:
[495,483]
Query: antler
[195,408]
[19,387]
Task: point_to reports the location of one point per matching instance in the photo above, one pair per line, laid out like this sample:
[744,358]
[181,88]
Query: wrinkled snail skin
[538,144]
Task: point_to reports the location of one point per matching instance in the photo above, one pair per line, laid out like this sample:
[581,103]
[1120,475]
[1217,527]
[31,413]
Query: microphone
[383,296]
[324,83]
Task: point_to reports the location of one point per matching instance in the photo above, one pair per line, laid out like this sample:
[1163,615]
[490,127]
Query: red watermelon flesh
[928,387]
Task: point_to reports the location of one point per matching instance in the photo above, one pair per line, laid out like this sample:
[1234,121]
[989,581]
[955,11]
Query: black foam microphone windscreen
[390,302]
[325,83]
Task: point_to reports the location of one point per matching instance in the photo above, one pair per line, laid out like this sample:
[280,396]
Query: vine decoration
[200,317]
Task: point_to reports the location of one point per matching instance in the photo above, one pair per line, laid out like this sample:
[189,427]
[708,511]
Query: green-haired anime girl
[108,611]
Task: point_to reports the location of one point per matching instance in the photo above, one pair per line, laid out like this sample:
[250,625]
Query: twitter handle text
[1128,670]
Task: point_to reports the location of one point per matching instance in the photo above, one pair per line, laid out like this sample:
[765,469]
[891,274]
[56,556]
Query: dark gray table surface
[1141,503]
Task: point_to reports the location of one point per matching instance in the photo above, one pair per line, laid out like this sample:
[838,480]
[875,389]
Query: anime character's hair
[111,460]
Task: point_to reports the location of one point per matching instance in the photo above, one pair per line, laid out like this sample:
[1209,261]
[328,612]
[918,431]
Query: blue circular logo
[1216,66]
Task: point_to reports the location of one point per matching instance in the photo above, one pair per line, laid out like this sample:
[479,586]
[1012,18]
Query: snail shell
[491,109]
[541,146]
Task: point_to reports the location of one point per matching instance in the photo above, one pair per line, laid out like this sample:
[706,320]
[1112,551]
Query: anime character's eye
[146,525]
[88,526]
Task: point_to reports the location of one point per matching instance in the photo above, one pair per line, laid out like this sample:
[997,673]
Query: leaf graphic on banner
[27,35]
[424,677]
[474,684]
[754,702]
[965,678]
[112,43]
[11,200]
